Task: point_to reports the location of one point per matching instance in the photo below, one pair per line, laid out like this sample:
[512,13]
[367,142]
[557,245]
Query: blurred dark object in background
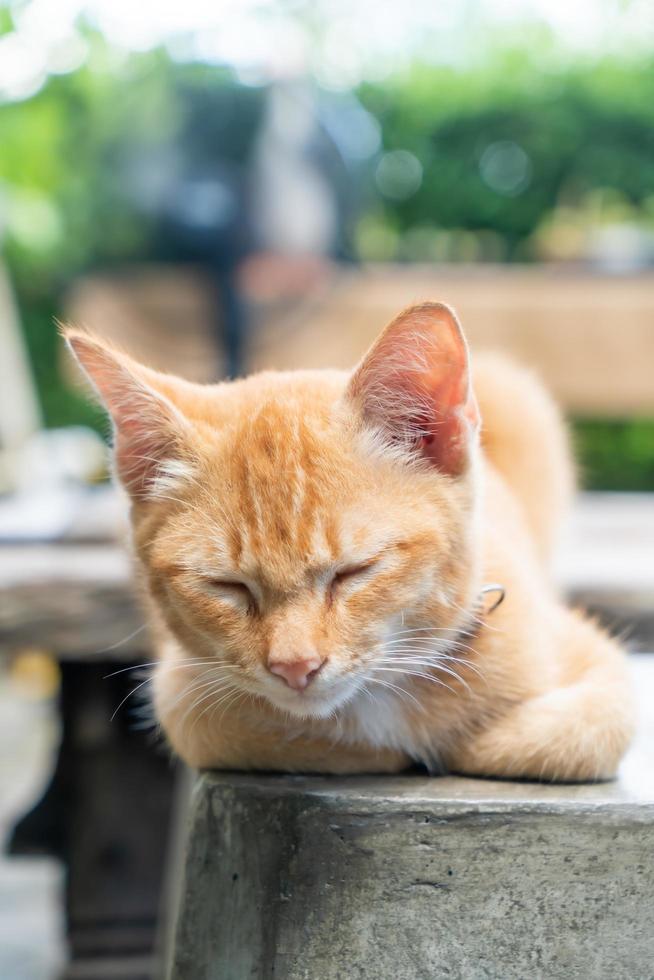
[240,172]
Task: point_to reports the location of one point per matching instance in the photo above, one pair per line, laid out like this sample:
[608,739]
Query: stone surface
[418,878]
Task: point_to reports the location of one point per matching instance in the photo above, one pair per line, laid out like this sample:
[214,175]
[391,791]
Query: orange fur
[249,497]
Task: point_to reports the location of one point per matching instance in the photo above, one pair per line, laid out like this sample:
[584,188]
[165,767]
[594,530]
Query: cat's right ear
[151,435]
[414,387]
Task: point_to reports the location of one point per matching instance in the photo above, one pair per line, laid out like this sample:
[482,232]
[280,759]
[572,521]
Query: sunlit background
[220,186]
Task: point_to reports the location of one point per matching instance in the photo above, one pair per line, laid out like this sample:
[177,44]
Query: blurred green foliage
[503,144]
[493,154]
[615,454]
[67,154]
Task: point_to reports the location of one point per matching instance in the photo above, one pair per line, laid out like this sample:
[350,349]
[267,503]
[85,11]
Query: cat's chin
[309,704]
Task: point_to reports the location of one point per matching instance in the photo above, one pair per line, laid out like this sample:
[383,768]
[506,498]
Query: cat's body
[315,560]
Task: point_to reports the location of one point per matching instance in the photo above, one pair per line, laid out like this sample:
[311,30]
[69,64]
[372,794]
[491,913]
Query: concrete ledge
[415,878]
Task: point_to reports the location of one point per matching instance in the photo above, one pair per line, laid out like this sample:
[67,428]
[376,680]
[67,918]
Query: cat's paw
[577,733]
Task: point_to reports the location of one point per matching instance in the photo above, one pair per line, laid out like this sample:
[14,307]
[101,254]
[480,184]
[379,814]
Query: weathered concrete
[415,878]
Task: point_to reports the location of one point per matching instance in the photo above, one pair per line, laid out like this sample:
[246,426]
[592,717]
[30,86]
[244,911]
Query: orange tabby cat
[315,546]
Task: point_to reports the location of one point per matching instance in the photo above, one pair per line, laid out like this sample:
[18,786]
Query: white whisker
[394,687]
[428,677]
[128,696]
[230,689]
[215,686]
[126,639]
[167,663]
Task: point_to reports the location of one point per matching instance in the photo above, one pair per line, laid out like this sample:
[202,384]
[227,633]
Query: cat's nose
[298,674]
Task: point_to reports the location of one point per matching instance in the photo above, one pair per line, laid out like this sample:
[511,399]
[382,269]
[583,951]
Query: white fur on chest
[380,720]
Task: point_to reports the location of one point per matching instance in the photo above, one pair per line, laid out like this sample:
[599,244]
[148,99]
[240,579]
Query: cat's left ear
[414,386]
[151,436]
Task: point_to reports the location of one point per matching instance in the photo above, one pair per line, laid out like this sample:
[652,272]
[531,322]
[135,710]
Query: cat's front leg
[577,731]
[304,756]
[235,746]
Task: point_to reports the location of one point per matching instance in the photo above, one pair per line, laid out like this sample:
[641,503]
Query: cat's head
[297,527]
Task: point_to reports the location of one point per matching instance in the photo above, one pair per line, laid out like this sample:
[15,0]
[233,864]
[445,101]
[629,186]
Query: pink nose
[297,673]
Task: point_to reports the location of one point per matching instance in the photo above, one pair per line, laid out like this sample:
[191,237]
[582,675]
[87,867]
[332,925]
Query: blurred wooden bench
[590,337]
[163,316]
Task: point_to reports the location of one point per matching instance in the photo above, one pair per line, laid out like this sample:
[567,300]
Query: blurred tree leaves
[6,21]
[582,127]
[615,454]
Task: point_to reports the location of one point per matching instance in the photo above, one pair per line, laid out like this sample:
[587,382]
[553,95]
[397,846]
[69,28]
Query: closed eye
[234,591]
[352,573]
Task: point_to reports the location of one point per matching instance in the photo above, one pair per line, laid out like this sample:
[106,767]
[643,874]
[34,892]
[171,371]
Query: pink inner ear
[145,425]
[420,364]
[449,428]
[140,448]
[448,449]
